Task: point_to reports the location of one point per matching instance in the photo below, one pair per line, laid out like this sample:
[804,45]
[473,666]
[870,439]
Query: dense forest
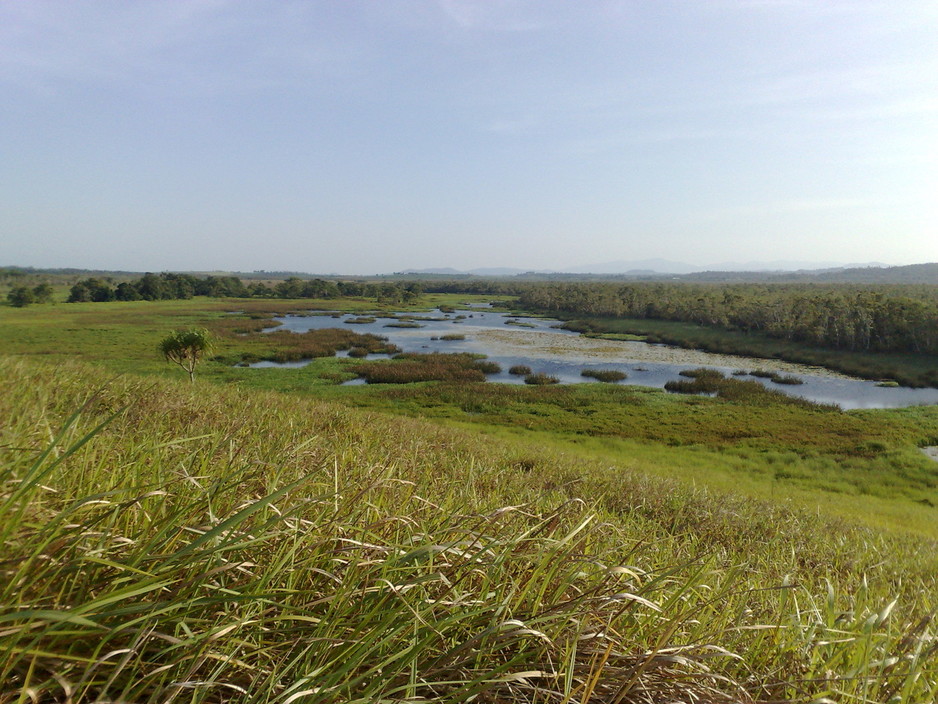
[841,317]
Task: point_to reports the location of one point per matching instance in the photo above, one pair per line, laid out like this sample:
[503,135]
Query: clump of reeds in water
[519,370]
[715,383]
[776,377]
[540,379]
[606,375]
[702,381]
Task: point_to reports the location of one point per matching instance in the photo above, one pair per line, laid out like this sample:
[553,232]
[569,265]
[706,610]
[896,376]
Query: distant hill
[642,267]
[910,274]
[639,271]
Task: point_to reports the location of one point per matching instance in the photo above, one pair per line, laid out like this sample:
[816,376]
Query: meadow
[268,535]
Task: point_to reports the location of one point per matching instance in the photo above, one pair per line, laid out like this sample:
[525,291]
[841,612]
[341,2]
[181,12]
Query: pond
[542,345]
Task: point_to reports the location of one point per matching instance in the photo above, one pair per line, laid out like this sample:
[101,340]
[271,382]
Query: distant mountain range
[651,267]
[644,270]
[730,272]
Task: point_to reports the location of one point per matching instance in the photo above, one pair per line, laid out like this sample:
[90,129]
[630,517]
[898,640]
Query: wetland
[547,348]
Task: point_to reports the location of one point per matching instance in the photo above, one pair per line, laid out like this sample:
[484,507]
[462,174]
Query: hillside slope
[166,540]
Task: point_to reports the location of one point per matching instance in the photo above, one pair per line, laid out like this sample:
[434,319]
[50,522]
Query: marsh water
[542,345]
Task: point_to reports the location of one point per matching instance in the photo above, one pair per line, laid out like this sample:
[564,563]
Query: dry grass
[166,543]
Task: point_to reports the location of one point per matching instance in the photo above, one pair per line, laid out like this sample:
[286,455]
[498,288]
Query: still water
[540,344]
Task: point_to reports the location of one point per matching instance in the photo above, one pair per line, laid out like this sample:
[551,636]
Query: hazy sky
[361,137]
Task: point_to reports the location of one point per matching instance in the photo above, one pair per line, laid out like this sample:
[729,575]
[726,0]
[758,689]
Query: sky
[359,137]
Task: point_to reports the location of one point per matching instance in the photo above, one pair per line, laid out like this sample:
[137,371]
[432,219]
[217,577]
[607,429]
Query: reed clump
[605,375]
[715,383]
[776,377]
[540,379]
[410,368]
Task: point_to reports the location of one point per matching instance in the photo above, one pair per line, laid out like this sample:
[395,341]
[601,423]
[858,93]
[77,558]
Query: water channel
[541,345]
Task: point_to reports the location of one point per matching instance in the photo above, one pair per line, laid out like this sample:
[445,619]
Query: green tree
[186,348]
[126,291]
[91,290]
[43,293]
[21,296]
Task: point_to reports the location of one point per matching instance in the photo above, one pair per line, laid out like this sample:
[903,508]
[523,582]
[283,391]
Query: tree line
[170,286]
[841,317]
[21,296]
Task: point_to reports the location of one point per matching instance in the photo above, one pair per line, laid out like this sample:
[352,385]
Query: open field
[268,535]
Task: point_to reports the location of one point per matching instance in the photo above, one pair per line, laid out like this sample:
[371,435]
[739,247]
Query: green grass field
[268,535]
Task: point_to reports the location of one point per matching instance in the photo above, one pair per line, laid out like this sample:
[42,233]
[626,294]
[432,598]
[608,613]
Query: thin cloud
[495,15]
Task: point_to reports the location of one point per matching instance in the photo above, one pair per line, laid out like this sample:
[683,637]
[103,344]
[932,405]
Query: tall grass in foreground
[167,544]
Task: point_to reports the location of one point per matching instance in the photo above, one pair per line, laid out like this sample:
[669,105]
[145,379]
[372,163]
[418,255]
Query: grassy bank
[862,465]
[173,541]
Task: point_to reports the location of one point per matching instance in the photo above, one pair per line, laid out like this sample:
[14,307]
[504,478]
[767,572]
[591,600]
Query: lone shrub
[186,348]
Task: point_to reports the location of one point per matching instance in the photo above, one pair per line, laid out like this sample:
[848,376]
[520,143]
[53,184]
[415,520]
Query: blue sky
[365,137]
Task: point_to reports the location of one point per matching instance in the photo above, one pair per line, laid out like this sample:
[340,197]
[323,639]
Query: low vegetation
[606,375]
[413,367]
[540,379]
[163,541]
[711,381]
[488,367]
[776,378]
[519,370]
[285,346]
